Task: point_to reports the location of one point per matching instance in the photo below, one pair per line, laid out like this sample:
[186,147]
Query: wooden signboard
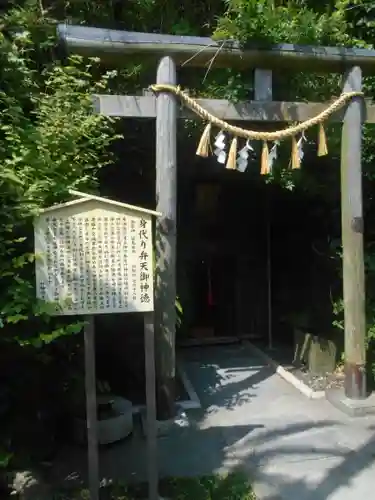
[94,256]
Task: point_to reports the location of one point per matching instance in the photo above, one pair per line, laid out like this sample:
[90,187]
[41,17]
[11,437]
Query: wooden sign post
[95,257]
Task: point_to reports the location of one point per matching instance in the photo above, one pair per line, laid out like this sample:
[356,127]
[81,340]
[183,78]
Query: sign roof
[85,197]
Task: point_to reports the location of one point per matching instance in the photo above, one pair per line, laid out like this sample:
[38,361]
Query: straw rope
[253,134]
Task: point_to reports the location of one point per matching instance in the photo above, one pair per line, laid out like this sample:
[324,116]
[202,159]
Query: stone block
[321,356]
[317,353]
[116,425]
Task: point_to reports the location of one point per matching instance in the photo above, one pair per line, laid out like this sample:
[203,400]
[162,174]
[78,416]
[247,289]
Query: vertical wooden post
[263,92]
[151,406]
[352,241]
[91,408]
[263,85]
[166,198]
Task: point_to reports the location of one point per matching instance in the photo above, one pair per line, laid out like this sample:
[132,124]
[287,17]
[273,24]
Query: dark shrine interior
[222,223]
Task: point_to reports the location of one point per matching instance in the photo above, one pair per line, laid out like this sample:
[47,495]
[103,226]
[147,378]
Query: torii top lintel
[113,45]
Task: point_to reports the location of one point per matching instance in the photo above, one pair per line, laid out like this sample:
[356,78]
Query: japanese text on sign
[95,262]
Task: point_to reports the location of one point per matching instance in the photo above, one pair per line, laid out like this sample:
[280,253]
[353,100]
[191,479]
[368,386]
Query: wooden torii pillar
[352,241]
[165,240]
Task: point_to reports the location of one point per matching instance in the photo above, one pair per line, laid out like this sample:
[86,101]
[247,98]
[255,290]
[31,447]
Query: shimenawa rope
[252,134]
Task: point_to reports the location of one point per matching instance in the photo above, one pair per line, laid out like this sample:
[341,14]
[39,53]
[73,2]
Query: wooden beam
[152,458]
[263,92]
[263,85]
[252,111]
[91,408]
[113,45]
[165,244]
[352,242]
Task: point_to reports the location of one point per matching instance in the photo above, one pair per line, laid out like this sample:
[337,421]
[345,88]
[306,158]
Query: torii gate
[168,52]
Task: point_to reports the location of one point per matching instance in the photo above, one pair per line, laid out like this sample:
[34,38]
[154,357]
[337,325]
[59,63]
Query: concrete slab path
[251,419]
[293,447]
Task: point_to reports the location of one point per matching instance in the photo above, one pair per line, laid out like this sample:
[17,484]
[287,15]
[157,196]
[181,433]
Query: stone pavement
[292,447]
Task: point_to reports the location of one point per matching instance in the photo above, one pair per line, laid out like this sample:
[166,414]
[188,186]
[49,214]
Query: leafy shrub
[50,141]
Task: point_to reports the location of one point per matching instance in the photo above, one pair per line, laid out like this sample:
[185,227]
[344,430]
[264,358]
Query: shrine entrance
[221,257]
[163,105]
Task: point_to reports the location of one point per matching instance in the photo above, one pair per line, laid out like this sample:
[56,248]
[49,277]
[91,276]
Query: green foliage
[234,486]
[50,142]
[5,458]
[269,21]
[265,22]
[300,22]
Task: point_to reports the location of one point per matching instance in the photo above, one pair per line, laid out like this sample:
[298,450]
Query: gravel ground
[284,356]
[318,382]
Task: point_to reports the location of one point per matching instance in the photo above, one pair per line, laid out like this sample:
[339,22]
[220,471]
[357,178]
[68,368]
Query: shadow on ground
[251,421]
